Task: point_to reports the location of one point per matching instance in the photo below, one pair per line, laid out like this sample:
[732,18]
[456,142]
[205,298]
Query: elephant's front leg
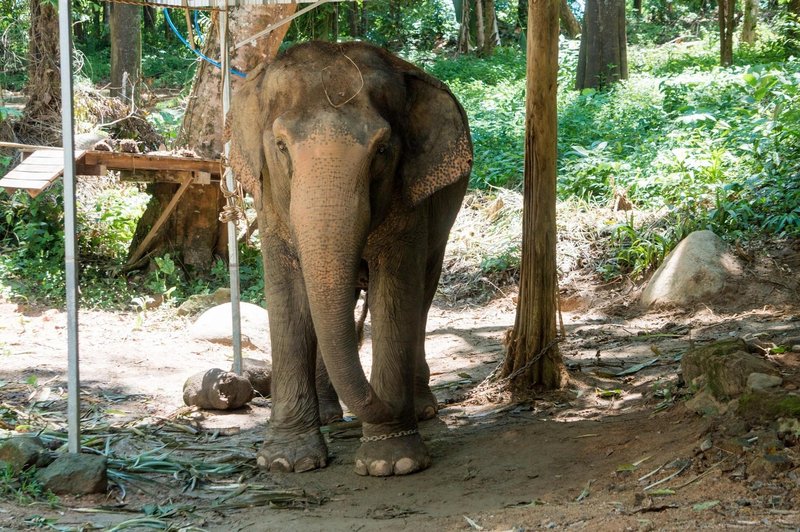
[293,441]
[396,291]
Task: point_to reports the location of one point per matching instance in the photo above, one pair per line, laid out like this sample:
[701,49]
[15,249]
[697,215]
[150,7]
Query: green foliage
[24,488]
[492,92]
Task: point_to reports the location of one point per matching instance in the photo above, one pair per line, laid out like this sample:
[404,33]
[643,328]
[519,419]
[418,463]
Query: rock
[697,269]
[259,373]
[201,302]
[789,431]
[726,366]
[796,348]
[765,406]
[762,381]
[76,474]
[215,325]
[217,389]
[768,465]
[23,452]
[704,404]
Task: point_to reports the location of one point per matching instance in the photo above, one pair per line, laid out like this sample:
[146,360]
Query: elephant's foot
[330,411]
[297,453]
[425,403]
[394,456]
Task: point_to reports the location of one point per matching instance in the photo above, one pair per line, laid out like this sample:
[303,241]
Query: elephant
[357,162]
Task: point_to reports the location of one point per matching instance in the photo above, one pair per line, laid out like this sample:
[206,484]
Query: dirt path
[585,457]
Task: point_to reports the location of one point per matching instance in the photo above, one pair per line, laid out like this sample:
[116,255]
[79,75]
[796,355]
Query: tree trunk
[793,8]
[149,16]
[749,21]
[492,33]
[569,24]
[480,35]
[603,55]
[126,50]
[637,6]
[463,33]
[533,359]
[726,31]
[41,119]
[193,233]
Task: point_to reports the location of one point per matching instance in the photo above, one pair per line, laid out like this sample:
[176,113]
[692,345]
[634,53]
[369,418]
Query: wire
[197,52]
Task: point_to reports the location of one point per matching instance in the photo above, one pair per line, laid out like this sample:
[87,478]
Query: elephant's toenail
[361,468]
[261,461]
[306,464]
[280,465]
[404,466]
[380,468]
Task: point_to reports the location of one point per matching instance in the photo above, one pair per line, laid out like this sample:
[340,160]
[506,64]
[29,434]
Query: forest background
[671,139]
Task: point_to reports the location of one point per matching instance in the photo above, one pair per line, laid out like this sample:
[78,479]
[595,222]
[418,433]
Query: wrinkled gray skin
[358,163]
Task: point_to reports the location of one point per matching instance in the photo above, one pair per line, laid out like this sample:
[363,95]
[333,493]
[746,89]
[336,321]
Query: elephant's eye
[281,146]
[383,148]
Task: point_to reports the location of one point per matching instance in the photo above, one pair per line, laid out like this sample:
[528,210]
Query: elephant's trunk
[330,225]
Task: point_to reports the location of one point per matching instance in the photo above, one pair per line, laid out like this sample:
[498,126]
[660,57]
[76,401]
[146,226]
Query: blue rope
[197,31]
[197,52]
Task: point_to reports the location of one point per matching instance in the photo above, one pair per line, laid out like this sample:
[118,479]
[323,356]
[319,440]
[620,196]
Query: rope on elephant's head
[325,88]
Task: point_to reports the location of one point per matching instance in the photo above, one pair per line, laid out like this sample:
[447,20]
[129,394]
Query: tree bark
[193,233]
[126,50]
[749,21]
[463,33]
[533,359]
[41,119]
[480,34]
[726,26]
[491,31]
[793,9]
[603,54]
[569,24]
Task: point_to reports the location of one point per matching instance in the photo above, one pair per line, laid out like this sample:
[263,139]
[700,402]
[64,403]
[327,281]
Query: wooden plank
[137,254]
[30,184]
[143,161]
[37,171]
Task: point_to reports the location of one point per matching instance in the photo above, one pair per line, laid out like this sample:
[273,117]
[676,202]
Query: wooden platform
[43,167]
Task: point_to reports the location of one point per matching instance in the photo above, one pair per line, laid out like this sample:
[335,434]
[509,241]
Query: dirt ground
[606,453]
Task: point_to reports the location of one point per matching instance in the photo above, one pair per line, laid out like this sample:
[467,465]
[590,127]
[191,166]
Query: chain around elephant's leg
[394,453]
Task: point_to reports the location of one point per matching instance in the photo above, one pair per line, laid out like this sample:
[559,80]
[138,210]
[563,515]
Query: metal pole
[233,250]
[70,255]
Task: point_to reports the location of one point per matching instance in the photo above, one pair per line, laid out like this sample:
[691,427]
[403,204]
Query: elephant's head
[331,140]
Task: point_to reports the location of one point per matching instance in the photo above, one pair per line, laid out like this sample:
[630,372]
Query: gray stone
[762,381]
[725,366]
[23,452]
[697,269]
[216,325]
[259,373]
[201,302]
[75,474]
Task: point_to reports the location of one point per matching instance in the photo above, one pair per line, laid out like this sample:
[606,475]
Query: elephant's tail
[363,317]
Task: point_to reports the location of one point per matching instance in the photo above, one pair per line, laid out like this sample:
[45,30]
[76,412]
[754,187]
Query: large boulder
[216,325]
[697,269]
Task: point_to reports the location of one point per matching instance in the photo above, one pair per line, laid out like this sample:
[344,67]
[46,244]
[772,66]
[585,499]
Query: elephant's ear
[438,147]
[244,128]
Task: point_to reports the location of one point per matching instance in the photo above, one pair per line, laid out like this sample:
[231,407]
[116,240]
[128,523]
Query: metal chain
[382,437]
